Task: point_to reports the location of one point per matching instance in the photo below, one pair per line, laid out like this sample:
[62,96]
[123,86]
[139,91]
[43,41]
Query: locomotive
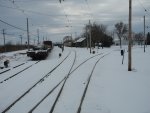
[40,52]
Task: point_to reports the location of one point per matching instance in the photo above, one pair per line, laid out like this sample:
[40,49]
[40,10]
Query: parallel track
[17,72]
[39,81]
[10,69]
[64,79]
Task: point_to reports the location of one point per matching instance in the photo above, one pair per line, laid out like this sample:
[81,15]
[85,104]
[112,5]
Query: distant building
[123,41]
[67,40]
[81,42]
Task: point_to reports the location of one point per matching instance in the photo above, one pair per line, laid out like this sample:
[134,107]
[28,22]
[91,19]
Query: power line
[18,7]
[15,27]
[64,12]
[12,25]
[143,7]
[34,12]
[86,2]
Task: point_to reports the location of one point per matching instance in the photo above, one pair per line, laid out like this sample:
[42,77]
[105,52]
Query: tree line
[12,47]
[98,34]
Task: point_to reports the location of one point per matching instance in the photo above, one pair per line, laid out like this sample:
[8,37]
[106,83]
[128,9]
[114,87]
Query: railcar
[40,52]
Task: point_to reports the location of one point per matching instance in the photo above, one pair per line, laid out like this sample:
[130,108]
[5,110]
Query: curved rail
[56,100]
[64,79]
[89,78]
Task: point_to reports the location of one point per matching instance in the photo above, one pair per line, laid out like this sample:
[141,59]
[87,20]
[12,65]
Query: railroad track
[61,89]
[50,92]
[88,81]
[56,100]
[63,80]
[33,86]
[13,68]
[8,78]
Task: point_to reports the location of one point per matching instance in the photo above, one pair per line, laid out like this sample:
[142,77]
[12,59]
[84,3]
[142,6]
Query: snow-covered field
[112,88]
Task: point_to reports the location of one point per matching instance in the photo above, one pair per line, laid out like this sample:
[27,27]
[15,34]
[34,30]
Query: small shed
[81,42]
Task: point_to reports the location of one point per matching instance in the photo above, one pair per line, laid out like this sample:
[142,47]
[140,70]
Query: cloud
[56,20]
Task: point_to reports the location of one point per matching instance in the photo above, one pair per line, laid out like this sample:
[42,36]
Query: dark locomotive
[40,52]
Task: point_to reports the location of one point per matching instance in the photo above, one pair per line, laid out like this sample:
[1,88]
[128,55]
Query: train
[40,52]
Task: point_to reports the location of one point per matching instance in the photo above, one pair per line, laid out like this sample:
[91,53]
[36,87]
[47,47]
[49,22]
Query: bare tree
[60,0]
[139,38]
[98,34]
[121,29]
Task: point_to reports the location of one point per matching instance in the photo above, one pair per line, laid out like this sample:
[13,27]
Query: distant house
[81,42]
[67,40]
[116,41]
[123,41]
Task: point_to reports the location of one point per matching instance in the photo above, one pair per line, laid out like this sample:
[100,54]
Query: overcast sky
[56,20]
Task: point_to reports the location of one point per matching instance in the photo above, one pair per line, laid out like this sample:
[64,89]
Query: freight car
[40,52]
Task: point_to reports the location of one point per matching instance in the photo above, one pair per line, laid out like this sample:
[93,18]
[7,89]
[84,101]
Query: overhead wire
[17,8]
[65,14]
[22,10]
[15,27]
[34,12]
[12,25]
[144,7]
[89,9]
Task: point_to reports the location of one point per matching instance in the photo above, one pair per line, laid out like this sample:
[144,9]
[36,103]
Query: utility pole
[21,41]
[130,37]
[4,40]
[75,34]
[28,34]
[38,36]
[144,33]
[90,34]
[34,41]
[43,38]
[87,37]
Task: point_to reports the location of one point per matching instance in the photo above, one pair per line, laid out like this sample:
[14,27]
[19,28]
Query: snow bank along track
[39,81]
[4,80]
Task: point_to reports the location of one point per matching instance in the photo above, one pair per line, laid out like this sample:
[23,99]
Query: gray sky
[55,20]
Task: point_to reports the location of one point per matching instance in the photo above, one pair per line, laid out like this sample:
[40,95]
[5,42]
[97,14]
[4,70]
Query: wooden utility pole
[87,37]
[4,40]
[130,37]
[21,41]
[38,36]
[34,41]
[144,33]
[28,34]
[90,34]
[43,38]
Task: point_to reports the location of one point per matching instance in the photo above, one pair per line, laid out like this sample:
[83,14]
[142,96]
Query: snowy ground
[112,89]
